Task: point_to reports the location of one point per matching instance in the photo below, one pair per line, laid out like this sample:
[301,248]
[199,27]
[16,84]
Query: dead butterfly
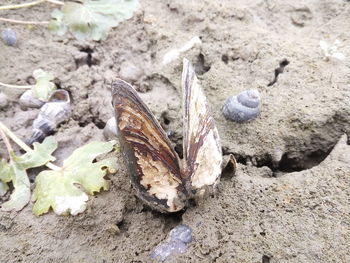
[160,178]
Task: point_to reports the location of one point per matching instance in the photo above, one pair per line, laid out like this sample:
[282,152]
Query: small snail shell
[9,37]
[54,112]
[243,107]
[28,100]
[3,100]
[110,130]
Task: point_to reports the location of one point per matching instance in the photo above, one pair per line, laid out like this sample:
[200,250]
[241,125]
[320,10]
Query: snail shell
[9,37]
[28,100]
[243,107]
[110,130]
[3,100]
[53,113]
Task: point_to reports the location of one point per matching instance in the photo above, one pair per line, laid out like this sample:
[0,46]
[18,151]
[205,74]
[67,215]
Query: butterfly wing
[202,150]
[152,163]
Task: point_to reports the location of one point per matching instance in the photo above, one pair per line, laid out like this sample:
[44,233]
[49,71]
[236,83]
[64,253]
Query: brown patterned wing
[152,163]
[202,150]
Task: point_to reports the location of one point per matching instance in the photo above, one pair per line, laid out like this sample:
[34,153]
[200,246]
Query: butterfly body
[160,178]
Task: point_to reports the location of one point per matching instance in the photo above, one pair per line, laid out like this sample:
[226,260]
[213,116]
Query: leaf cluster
[66,188]
[59,189]
[15,171]
[91,18]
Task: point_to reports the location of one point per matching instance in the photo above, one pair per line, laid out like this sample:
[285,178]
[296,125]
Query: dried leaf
[59,190]
[15,171]
[91,18]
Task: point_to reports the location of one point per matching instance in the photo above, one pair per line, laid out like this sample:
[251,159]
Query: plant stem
[7,143]
[24,146]
[5,7]
[15,138]
[16,86]
[24,22]
[53,166]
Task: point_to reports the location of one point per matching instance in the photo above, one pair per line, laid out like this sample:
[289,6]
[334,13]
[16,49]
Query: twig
[5,7]
[24,22]
[56,2]
[23,145]
[30,4]
[16,86]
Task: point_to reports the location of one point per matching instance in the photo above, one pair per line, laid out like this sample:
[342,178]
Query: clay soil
[289,200]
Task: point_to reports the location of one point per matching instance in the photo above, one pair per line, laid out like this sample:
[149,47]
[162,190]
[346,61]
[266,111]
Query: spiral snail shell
[243,107]
[110,130]
[53,113]
[29,100]
[3,100]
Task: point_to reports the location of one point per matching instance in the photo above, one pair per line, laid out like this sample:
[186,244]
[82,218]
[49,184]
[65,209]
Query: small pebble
[177,242]
[29,100]
[9,36]
[130,72]
[181,233]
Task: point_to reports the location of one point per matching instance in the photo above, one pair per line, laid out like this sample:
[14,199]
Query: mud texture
[290,198]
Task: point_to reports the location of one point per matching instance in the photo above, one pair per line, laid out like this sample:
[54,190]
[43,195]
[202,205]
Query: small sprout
[9,37]
[44,85]
[35,95]
[58,188]
[91,19]
[331,51]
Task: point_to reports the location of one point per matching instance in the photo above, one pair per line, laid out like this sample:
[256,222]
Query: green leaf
[40,155]
[44,85]
[3,188]
[56,25]
[92,18]
[21,194]
[5,176]
[15,171]
[59,190]
[5,172]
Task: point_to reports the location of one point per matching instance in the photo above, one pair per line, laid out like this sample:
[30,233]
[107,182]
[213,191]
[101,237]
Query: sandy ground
[290,198]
